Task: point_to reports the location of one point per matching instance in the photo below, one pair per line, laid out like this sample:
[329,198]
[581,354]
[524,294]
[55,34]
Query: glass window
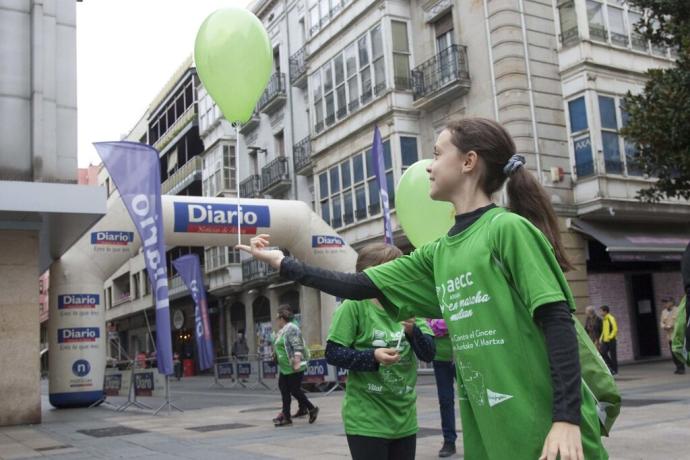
[316,85]
[376,43]
[370,163]
[400,42]
[401,71]
[363,51]
[335,180]
[350,60]
[379,74]
[584,164]
[619,31]
[341,101]
[607,110]
[391,189]
[358,168]
[578,115]
[387,160]
[323,185]
[327,78]
[339,70]
[330,109]
[360,202]
[595,16]
[630,150]
[345,174]
[337,212]
[326,211]
[638,41]
[353,89]
[568,22]
[374,198]
[348,211]
[612,156]
[408,150]
[365,77]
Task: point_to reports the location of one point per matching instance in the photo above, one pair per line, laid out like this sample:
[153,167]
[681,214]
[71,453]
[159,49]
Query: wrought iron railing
[276,87]
[301,153]
[448,66]
[251,187]
[274,172]
[298,64]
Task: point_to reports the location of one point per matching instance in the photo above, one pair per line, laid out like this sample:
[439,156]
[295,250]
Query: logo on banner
[78,334]
[112,384]
[81,367]
[325,241]
[68,301]
[112,238]
[317,370]
[220,218]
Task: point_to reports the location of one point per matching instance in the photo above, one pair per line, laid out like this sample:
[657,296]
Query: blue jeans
[444,371]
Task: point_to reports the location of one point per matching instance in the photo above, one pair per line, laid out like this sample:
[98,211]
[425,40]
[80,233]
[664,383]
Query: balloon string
[237,181]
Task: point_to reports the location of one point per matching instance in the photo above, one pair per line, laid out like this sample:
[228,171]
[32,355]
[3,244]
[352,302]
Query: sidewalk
[235,424]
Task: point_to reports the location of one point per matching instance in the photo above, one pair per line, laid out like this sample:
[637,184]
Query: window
[609,135]
[568,23]
[351,78]
[637,41]
[408,151]
[582,144]
[631,165]
[218,173]
[218,257]
[618,28]
[401,55]
[595,17]
[349,191]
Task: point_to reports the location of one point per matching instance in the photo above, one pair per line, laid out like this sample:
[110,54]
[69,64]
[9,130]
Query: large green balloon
[422,219]
[233,59]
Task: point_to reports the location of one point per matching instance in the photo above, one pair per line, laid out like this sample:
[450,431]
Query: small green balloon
[422,219]
[234,59]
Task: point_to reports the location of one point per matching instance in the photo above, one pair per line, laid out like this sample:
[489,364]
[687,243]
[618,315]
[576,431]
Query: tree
[659,118]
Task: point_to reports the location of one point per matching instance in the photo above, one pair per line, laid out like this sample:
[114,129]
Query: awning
[629,242]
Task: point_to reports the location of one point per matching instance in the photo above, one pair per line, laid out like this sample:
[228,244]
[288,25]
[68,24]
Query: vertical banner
[189,269]
[380,171]
[135,171]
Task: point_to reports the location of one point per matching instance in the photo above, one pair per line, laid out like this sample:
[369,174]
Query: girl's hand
[386,356]
[297,361]
[408,324]
[257,245]
[564,439]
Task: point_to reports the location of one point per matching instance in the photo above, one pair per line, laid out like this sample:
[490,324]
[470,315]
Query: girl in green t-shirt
[379,408]
[497,280]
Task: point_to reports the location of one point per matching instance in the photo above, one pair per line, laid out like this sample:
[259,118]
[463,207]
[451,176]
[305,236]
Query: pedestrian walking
[608,339]
[667,323]
[240,349]
[593,324]
[444,373]
[497,280]
[291,356]
[379,407]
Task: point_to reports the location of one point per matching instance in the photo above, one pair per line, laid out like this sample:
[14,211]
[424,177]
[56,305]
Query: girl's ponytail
[528,198]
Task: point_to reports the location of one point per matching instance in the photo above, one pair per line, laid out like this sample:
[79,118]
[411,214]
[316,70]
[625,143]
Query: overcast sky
[126,51]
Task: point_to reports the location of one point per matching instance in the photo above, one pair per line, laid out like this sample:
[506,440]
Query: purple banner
[135,171]
[380,171]
[189,269]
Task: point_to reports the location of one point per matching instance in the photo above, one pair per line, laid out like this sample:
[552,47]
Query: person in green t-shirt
[379,408]
[497,280]
[290,353]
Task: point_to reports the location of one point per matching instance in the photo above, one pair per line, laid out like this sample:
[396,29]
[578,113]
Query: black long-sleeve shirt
[363,360]
[554,319]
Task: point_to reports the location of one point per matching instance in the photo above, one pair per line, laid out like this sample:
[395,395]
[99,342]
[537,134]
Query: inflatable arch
[77,336]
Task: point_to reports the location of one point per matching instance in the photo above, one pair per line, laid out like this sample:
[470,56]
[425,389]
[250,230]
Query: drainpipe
[295,188]
[491,58]
[530,91]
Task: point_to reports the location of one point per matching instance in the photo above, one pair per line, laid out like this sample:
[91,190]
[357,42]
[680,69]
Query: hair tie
[514,163]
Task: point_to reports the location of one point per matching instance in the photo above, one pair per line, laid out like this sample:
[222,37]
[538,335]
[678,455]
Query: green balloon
[421,218]
[234,59]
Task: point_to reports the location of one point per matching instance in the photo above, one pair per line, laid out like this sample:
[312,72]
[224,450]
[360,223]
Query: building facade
[552,72]
[42,209]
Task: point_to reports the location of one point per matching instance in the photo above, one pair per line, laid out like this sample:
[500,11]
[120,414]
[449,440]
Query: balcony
[275,177]
[251,124]
[298,68]
[442,78]
[301,156]
[251,187]
[274,95]
[176,128]
[183,177]
[256,273]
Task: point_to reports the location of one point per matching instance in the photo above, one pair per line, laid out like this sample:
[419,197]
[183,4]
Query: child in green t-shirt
[379,408]
[497,280]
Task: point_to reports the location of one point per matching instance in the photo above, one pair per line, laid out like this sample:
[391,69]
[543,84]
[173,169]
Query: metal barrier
[248,371]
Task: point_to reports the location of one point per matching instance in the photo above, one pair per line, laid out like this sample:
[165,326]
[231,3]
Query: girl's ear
[470,161]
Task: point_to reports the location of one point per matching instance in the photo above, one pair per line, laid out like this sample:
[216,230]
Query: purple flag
[189,269]
[135,171]
[380,171]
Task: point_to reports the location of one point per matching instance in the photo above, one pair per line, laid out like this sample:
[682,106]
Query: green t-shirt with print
[379,404]
[486,282]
